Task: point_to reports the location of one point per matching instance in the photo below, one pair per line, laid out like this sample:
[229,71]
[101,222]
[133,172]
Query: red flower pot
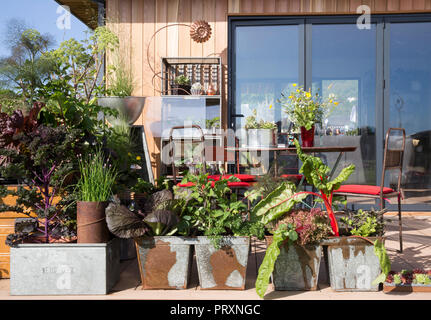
[307,137]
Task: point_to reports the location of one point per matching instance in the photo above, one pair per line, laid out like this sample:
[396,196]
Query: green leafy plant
[251,122]
[120,79]
[284,232]
[213,210]
[304,109]
[162,223]
[97,178]
[363,223]
[182,80]
[212,123]
[316,173]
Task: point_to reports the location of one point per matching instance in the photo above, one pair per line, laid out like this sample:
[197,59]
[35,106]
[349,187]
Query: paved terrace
[417,254]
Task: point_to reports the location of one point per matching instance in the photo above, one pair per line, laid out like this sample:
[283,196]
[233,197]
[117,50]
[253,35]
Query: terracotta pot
[91,222]
[307,137]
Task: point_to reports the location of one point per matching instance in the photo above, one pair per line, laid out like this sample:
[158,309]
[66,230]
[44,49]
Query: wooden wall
[135,21]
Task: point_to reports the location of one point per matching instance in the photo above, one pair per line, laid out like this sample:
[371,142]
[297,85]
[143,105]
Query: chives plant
[97,178]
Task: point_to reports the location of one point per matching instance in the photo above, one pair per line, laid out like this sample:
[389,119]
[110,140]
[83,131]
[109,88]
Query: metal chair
[201,139]
[393,160]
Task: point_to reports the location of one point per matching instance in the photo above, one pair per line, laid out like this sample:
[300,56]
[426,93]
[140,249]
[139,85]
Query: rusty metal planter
[164,261]
[223,268]
[91,222]
[352,264]
[297,267]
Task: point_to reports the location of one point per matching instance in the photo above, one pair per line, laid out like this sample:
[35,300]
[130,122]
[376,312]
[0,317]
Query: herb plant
[213,210]
[97,178]
[182,80]
[363,223]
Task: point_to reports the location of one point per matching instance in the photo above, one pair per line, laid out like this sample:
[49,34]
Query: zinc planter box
[164,261]
[261,138]
[352,264]
[297,267]
[223,268]
[64,268]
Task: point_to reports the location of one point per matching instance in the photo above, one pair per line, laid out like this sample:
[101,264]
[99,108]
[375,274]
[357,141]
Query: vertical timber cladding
[135,22]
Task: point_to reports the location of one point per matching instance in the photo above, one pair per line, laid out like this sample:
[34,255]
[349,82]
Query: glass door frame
[382,22]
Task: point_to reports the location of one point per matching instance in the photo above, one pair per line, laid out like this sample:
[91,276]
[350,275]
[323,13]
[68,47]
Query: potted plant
[164,256]
[360,243]
[417,280]
[181,85]
[353,258]
[293,250]
[305,110]
[260,133]
[219,220]
[44,258]
[94,189]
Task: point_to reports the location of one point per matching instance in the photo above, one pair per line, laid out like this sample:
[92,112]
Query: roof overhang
[88,11]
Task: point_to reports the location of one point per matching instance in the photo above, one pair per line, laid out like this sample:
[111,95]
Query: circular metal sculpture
[200,31]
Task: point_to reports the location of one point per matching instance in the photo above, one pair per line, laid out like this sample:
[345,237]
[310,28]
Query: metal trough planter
[64,268]
[352,264]
[223,268]
[391,287]
[297,267]
[164,262]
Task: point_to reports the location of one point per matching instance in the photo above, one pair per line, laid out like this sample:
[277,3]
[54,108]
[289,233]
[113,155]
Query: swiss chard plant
[316,173]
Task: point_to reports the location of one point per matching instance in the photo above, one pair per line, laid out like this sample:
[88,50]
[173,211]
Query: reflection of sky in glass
[410,76]
[344,59]
[266,62]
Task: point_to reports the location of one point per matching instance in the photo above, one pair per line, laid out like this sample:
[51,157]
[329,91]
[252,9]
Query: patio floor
[417,254]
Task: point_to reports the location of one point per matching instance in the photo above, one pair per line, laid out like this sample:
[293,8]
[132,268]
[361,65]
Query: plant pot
[307,137]
[352,264]
[91,222]
[261,138]
[223,268]
[180,89]
[297,267]
[131,107]
[64,269]
[164,262]
[391,287]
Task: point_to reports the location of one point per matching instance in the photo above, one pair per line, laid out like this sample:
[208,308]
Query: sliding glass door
[381,77]
[267,60]
[408,102]
[343,63]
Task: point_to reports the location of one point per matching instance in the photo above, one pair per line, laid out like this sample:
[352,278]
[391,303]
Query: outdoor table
[292,150]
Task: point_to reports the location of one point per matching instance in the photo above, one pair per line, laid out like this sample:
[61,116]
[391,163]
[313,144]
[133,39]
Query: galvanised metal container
[64,268]
[164,261]
[223,268]
[261,138]
[352,264]
[297,267]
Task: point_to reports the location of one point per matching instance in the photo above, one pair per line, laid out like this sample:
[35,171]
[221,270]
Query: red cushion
[363,189]
[242,177]
[292,176]
[185,185]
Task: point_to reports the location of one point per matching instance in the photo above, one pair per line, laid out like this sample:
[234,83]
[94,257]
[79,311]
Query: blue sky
[38,14]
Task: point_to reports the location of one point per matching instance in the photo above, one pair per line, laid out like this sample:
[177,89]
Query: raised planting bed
[408,281]
[64,268]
